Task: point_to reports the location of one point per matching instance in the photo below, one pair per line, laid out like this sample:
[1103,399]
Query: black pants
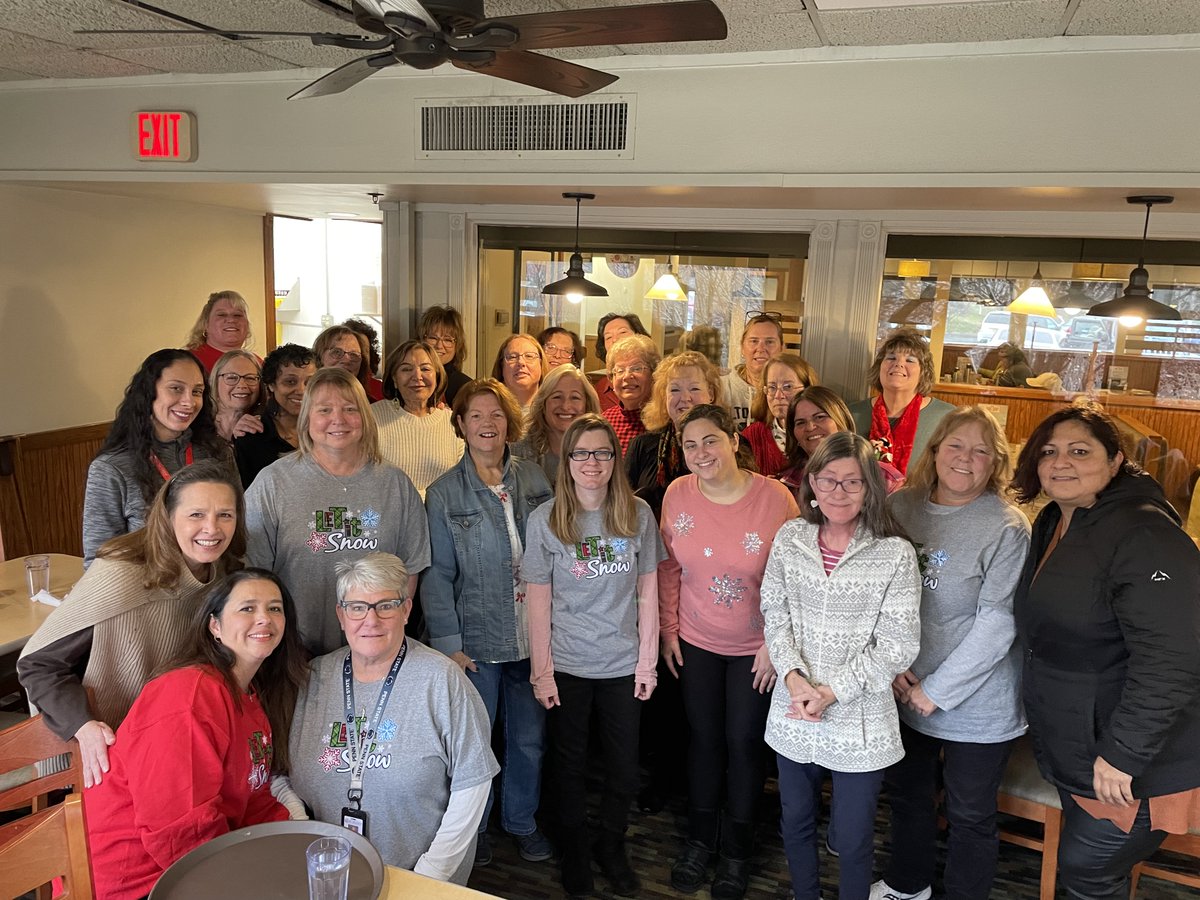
[1095,857]
[971,776]
[616,713]
[727,719]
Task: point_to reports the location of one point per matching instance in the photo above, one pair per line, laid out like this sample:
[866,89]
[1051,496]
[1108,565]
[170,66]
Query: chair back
[51,842]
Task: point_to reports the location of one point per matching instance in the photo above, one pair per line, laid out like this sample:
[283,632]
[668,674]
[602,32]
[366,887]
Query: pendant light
[1033,301]
[1135,305]
[668,286]
[575,286]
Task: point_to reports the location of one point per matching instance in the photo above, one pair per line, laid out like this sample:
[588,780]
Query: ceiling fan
[425,34]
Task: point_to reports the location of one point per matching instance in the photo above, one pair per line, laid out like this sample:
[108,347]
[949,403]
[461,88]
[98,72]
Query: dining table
[19,616]
[401,884]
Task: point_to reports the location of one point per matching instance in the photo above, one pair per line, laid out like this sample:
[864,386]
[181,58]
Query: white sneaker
[881,891]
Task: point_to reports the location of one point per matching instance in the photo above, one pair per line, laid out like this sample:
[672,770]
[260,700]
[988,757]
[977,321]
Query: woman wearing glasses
[285,375]
[718,525]
[840,599]
[562,347]
[236,383]
[762,340]
[564,396]
[474,593]
[340,347]
[415,770]
[520,366]
[784,377]
[593,621]
[631,364]
[442,329]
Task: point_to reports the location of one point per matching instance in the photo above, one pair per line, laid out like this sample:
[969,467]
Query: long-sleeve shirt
[708,586]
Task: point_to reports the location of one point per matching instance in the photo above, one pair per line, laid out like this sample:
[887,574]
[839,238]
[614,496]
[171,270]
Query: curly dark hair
[283,355]
[367,330]
[1027,484]
[634,322]
[133,426]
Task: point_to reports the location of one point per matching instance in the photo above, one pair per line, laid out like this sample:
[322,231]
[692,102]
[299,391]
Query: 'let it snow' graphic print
[594,556]
[339,528]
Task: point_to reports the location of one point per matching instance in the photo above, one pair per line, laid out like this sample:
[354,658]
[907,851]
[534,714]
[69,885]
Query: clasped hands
[906,688]
[809,701]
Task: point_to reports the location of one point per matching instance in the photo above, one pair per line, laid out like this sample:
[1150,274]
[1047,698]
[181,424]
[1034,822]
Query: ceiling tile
[22,53]
[217,57]
[10,75]
[779,31]
[1140,17]
[259,15]
[1006,20]
[302,53]
[57,22]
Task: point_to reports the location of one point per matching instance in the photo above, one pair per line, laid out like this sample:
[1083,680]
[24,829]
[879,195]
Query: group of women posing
[869,611]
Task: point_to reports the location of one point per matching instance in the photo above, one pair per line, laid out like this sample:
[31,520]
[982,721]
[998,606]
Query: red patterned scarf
[899,439]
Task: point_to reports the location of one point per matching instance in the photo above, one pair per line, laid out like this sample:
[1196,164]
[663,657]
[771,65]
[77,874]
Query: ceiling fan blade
[344,77]
[693,20]
[411,8]
[544,72]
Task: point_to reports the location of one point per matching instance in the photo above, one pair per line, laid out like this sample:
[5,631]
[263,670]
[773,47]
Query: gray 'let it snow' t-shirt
[593,589]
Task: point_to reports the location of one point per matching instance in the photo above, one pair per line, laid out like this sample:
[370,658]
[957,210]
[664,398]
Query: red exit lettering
[167,136]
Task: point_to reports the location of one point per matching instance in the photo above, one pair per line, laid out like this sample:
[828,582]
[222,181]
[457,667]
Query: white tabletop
[19,618]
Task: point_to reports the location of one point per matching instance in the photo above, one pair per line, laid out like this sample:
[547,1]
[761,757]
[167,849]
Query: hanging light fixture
[668,286]
[1033,301]
[575,286]
[1074,301]
[1135,305]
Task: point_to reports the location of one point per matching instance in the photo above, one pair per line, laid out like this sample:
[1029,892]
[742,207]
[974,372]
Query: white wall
[91,285]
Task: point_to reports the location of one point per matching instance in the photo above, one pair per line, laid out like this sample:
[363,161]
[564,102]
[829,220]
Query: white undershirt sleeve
[455,834]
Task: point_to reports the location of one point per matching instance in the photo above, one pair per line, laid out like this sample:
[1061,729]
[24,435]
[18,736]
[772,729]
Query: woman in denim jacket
[473,593]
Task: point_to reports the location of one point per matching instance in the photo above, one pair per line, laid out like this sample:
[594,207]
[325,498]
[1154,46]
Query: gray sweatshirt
[970,558]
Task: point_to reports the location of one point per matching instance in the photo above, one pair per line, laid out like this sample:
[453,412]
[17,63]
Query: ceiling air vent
[520,127]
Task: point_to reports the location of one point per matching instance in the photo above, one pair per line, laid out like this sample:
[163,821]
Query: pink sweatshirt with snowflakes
[708,585]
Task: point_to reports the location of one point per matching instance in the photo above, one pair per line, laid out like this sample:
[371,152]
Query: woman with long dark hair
[164,422]
[194,758]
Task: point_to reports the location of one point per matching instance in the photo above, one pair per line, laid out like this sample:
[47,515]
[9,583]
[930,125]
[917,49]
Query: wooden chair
[1185,844]
[1024,793]
[51,842]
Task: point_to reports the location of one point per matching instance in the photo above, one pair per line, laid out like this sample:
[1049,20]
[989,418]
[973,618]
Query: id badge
[355,820]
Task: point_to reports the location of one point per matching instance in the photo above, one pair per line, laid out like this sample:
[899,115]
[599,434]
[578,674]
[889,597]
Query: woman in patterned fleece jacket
[840,600]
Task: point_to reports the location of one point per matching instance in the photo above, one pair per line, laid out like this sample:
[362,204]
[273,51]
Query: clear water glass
[328,869]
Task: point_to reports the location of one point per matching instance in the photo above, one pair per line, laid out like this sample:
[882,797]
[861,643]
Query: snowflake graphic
[370,518]
[619,545]
[317,541]
[579,569]
[727,590]
[757,622]
[708,552]
[387,730]
[938,558]
[329,759]
[684,524]
[752,543]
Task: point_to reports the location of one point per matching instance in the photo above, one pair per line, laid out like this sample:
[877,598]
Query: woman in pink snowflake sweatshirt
[718,524]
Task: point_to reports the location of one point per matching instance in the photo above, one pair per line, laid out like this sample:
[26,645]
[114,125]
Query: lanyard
[358,754]
[162,470]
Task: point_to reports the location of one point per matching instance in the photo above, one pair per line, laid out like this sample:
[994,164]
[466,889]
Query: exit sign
[164,136]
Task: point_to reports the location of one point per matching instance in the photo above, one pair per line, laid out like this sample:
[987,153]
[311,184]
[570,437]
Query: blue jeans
[506,692]
[854,798]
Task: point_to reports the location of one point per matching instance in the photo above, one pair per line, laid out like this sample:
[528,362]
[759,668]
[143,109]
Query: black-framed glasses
[445,341]
[337,354]
[358,609]
[601,455]
[827,485]
[762,315]
[232,379]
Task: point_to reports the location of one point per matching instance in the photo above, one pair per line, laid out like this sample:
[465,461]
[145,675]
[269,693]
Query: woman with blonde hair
[334,499]
[236,385]
[591,558]
[564,396]
[223,325]
[783,378]
[654,460]
[630,362]
[960,705]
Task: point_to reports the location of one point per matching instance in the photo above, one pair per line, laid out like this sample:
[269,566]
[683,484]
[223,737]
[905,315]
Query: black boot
[733,867]
[614,864]
[690,871]
[576,862]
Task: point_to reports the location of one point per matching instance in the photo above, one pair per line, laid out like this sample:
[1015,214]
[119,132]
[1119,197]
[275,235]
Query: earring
[813,503]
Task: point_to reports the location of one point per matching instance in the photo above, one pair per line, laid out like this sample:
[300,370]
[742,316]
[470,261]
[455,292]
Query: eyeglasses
[619,371]
[232,379]
[601,455]
[551,350]
[337,354]
[513,358]
[787,387]
[357,609]
[762,314]
[827,485]
[442,341]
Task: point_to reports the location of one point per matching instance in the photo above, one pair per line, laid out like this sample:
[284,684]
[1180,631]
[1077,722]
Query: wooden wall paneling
[14,536]
[51,473]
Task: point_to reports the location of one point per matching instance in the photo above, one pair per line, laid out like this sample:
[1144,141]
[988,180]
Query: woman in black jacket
[1108,613]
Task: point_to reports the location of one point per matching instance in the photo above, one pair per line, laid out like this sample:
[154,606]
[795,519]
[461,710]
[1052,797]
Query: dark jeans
[727,719]
[664,738]
[854,798]
[610,702]
[1095,857]
[971,776]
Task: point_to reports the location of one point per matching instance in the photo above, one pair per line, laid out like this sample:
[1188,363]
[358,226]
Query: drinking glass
[328,869]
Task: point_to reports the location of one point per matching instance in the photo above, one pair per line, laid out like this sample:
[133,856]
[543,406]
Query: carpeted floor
[655,840]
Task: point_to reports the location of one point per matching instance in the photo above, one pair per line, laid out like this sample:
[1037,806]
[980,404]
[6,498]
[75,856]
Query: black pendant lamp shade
[575,283]
[1136,301]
